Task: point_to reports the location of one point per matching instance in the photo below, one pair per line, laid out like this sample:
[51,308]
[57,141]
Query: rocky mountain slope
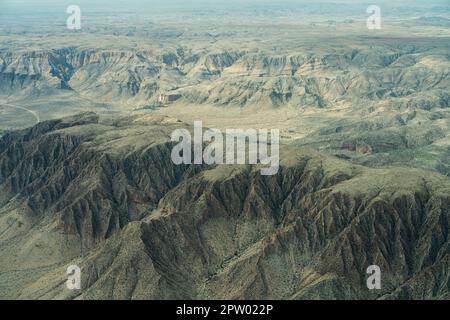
[86,176]
[102,193]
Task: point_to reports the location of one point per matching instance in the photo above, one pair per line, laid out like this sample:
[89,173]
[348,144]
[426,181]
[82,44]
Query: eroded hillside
[402,74]
[101,192]
[86,176]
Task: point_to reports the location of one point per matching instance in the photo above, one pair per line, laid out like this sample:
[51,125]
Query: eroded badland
[86,177]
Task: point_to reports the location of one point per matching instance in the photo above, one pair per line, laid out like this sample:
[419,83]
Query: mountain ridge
[220,232]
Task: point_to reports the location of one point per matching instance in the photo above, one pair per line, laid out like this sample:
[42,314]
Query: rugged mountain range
[86,176]
[102,193]
[405,75]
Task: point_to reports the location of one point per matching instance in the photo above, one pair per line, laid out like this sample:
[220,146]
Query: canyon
[87,178]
